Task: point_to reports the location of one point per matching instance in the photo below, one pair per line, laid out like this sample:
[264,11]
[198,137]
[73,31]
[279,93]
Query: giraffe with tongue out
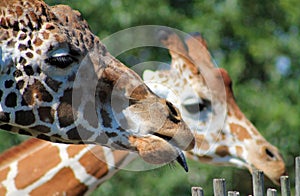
[59,83]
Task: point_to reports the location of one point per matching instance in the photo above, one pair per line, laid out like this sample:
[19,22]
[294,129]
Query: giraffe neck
[83,167]
[224,136]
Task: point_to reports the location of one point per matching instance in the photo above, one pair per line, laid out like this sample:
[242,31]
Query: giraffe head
[59,83]
[224,136]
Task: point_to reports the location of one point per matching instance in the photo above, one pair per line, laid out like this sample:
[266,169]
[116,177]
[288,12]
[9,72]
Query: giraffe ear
[148,75]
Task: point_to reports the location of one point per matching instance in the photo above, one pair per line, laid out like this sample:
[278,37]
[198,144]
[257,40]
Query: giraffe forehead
[37,22]
[174,83]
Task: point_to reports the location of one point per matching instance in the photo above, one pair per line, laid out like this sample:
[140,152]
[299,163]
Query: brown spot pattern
[96,156]
[201,142]
[50,27]
[74,150]
[46,114]
[45,35]
[2,190]
[19,11]
[67,97]
[240,132]
[65,114]
[53,84]
[20,84]
[33,166]
[239,151]
[24,117]
[37,42]
[3,175]
[11,100]
[22,36]
[29,54]
[22,47]
[70,187]
[36,91]
[222,151]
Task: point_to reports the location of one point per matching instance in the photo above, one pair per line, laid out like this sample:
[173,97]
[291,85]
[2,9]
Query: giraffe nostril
[270,154]
[173,115]
[172,109]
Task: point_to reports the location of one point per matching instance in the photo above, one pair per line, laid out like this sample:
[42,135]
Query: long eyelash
[60,61]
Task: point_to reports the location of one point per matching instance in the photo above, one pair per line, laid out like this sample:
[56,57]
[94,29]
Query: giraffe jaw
[156,150]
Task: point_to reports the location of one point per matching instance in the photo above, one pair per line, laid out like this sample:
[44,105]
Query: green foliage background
[256,41]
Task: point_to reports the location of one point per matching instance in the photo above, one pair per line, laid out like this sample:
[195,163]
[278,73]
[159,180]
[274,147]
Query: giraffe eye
[60,61]
[194,108]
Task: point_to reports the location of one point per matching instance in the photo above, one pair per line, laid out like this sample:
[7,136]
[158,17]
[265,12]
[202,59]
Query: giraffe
[86,167]
[59,83]
[232,140]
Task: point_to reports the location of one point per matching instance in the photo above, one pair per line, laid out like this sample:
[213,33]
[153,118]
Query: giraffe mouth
[158,150]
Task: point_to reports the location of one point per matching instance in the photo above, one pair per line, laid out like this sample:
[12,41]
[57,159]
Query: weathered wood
[297,176]
[258,183]
[285,186]
[197,191]
[233,193]
[219,187]
[271,192]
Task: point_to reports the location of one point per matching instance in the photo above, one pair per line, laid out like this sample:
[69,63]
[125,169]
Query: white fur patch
[148,75]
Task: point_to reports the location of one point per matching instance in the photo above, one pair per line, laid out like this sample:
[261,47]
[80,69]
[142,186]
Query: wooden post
[285,186]
[219,187]
[233,193]
[297,176]
[258,183]
[271,192]
[197,191]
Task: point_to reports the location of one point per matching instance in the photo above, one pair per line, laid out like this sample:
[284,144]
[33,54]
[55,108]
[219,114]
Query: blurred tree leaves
[256,41]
